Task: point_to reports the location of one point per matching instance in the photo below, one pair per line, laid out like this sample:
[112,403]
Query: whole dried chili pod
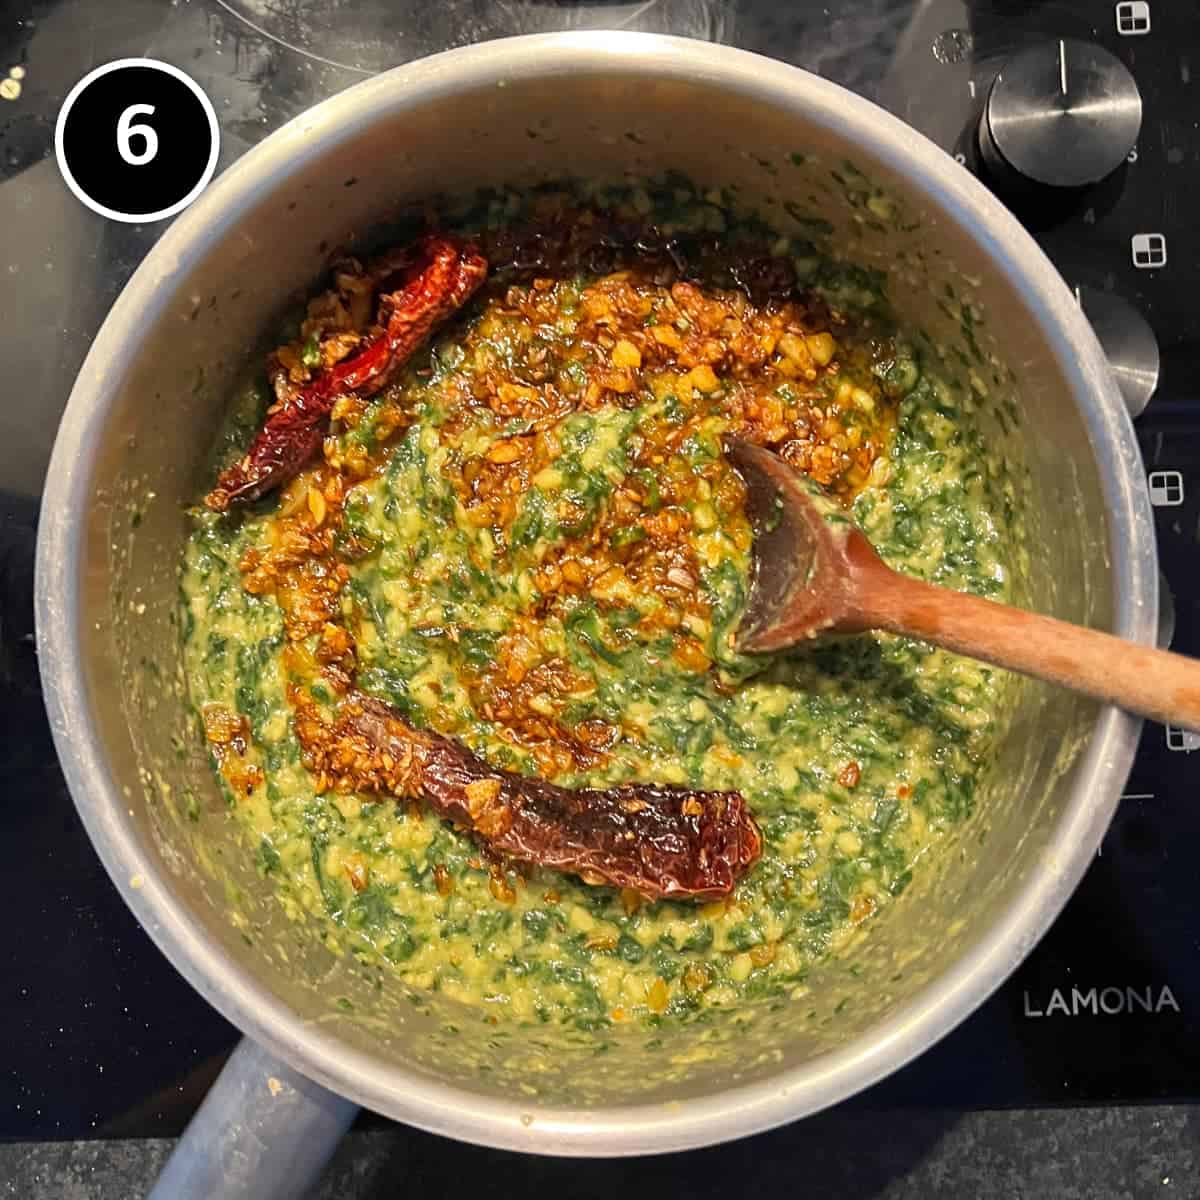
[663,842]
[445,275]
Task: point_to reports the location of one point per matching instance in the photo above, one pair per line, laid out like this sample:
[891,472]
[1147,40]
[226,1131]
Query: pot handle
[263,1132]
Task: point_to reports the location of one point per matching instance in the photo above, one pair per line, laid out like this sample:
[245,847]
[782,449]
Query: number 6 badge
[137,140]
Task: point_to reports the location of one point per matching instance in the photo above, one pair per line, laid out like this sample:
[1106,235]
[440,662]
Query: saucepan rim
[409,1094]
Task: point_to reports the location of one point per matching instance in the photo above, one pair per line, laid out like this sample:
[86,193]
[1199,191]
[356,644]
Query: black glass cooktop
[103,1037]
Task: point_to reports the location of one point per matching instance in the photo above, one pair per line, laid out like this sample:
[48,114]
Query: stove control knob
[1128,342]
[1062,114]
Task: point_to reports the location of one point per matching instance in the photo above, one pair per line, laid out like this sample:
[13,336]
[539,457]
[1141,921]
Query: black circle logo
[137,140]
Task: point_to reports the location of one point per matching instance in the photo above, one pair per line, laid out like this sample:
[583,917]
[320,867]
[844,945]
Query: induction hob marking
[1133,18]
[1182,740]
[1166,488]
[1149,251]
[1106,1001]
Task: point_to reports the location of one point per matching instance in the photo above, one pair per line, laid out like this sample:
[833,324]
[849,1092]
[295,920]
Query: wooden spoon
[815,573]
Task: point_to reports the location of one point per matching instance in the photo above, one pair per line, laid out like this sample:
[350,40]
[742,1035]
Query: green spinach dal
[530,542]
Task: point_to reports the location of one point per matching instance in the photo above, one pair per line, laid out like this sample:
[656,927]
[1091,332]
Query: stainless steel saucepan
[133,441]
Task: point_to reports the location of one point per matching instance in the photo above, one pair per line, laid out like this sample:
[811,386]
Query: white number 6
[127,130]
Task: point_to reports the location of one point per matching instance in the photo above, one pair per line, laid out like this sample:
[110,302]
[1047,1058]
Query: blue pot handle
[263,1133]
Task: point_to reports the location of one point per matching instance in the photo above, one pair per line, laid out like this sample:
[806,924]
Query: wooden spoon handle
[1154,683]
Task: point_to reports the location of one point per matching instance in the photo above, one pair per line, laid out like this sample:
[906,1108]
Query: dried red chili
[444,276]
[658,841]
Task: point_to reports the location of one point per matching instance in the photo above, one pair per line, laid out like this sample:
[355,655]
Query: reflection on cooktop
[381,34]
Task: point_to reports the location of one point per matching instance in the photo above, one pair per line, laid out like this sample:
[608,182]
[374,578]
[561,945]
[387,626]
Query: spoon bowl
[814,572]
[810,563]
